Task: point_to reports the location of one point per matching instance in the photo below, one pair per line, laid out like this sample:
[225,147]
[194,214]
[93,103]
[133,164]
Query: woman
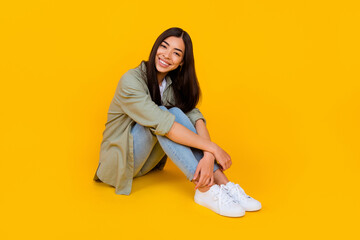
[153,115]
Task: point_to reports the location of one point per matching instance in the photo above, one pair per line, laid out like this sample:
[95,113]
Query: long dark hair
[184,81]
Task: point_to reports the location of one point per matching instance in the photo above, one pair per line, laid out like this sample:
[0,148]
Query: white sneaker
[239,195]
[218,200]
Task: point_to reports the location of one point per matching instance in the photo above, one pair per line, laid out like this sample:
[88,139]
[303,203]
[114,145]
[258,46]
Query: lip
[162,65]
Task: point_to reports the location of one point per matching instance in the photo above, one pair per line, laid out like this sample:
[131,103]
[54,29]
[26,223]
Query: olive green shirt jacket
[132,104]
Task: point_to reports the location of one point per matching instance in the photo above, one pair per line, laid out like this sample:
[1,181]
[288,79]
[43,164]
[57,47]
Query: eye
[177,54]
[162,45]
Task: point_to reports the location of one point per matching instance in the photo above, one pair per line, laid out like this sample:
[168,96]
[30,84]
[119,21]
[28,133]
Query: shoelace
[223,197]
[236,190]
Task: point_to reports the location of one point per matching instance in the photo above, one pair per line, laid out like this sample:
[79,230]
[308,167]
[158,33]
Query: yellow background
[281,94]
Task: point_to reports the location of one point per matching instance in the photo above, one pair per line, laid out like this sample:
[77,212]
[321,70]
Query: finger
[198,182]
[196,173]
[211,181]
[202,181]
[206,182]
[198,185]
[223,166]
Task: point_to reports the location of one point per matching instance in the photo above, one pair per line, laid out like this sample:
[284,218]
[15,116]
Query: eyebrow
[174,48]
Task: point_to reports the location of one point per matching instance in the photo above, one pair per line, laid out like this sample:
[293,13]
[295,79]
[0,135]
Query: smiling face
[169,55]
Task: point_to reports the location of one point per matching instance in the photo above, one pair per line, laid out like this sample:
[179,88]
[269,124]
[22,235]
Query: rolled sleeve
[165,125]
[195,115]
[136,102]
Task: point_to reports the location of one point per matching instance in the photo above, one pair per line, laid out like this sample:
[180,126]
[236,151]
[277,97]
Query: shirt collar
[168,80]
[163,83]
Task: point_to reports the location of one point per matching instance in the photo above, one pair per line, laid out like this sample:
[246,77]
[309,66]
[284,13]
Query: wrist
[212,148]
[207,160]
[209,155]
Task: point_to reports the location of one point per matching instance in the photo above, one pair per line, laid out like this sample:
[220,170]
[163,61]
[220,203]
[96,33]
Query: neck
[160,77]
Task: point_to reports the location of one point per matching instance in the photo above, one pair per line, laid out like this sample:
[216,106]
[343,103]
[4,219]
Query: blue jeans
[145,143]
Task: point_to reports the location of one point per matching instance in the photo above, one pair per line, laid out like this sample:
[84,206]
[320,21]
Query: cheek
[178,60]
[159,51]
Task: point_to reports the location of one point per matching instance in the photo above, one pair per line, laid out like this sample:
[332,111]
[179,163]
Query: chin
[160,69]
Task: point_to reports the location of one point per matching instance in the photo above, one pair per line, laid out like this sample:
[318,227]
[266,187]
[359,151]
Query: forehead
[175,42]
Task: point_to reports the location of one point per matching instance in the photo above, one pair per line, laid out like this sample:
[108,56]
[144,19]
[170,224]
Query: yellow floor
[161,206]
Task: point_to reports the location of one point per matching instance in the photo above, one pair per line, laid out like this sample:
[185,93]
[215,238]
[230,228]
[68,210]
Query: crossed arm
[180,134]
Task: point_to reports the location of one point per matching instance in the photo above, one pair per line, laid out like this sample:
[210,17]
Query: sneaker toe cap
[253,205]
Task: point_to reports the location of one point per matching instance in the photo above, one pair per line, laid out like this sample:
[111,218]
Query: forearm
[180,134]
[203,132]
[201,129]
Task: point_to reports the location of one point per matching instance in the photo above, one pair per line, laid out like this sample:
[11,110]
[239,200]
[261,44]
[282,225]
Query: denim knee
[182,118]
[176,111]
[173,110]
[163,108]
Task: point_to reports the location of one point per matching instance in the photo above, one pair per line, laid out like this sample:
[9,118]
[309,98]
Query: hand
[222,157]
[205,171]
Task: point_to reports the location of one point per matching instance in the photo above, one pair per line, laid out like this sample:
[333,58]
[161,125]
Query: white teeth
[164,62]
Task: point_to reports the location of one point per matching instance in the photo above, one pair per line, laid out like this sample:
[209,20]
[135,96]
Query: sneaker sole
[253,210]
[209,207]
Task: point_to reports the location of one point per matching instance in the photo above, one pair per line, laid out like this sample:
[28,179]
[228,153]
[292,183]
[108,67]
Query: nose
[167,54]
